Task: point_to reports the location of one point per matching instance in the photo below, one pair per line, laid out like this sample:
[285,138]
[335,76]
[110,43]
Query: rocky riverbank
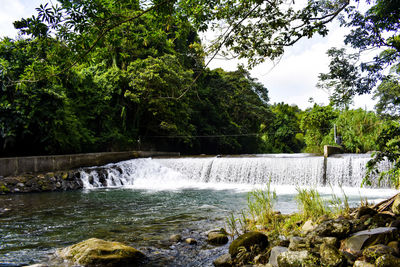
[367,237]
[52,181]
[45,182]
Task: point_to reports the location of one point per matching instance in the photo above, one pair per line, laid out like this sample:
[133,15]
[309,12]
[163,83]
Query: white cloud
[12,10]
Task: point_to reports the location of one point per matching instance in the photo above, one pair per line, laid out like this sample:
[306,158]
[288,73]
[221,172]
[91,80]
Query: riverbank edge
[58,173]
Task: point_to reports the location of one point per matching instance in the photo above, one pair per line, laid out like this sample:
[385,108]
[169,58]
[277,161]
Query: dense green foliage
[359,130]
[283,134]
[143,85]
[317,123]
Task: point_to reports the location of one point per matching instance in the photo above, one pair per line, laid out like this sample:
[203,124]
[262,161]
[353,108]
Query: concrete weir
[38,164]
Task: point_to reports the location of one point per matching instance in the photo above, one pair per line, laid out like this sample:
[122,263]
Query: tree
[283,132]
[359,130]
[388,95]
[316,123]
[228,110]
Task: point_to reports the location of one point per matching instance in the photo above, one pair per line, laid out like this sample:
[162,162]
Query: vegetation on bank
[261,215]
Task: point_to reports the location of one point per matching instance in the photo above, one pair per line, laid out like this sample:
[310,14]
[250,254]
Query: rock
[365,210]
[223,261]
[4,211]
[217,238]
[382,235]
[297,243]
[395,223]
[350,258]
[371,253]
[387,261]
[175,238]
[363,264]
[98,252]
[396,205]
[191,241]
[248,240]
[331,241]
[337,228]
[382,219]
[395,246]
[275,252]
[297,259]
[308,226]
[330,256]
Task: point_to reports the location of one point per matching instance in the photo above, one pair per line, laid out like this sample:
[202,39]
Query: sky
[292,80]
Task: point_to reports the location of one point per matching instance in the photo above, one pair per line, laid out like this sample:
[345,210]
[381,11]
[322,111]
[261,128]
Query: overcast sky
[293,80]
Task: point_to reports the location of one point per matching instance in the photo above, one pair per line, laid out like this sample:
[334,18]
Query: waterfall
[350,169]
[281,169]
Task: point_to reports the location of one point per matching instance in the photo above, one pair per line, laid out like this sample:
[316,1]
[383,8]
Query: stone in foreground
[217,237]
[248,240]
[275,252]
[297,259]
[223,261]
[98,252]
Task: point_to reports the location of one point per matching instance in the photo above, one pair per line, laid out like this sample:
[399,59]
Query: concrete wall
[20,165]
[330,150]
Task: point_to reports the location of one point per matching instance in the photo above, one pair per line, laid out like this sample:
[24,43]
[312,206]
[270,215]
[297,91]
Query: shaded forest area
[87,76]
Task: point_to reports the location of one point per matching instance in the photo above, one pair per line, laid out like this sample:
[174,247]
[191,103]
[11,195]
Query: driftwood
[385,205]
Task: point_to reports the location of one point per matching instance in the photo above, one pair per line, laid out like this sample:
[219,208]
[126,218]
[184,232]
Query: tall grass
[310,203]
[261,203]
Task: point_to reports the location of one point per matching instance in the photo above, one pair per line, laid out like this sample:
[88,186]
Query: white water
[350,169]
[285,174]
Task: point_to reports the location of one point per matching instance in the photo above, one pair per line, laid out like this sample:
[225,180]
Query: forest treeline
[89,76]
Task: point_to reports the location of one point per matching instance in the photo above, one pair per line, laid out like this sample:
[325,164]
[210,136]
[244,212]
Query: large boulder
[98,252]
[248,240]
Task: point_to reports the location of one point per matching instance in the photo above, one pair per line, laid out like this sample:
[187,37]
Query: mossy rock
[297,259]
[248,240]
[373,252]
[98,252]
[387,261]
[217,238]
[396,205]
[330,255]
[4,189]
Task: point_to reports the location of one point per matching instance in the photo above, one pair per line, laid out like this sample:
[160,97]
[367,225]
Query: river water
[142,202]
